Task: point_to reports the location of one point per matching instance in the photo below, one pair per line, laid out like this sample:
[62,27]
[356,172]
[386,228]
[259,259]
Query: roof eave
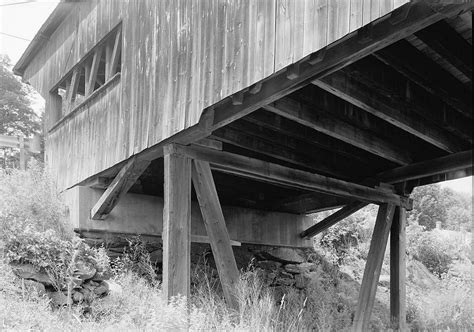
[42,36]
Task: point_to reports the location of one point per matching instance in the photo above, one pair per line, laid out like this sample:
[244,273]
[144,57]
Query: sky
[22,19]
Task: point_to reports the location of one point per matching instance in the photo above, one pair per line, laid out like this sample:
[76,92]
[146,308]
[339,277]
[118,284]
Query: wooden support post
[176,224]
[22,153]
[124,180]
[216,230]
[373,267]
[398,270]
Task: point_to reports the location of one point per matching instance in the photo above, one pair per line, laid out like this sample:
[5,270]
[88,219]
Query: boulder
[312,276]
[286,255]
[302,281]
[58,298]
[101,289]
[28,271]
[78,296]
[34,286]
[102,275]
[113,288]
[269,265]
[285,281]
[84,270]
[293,268]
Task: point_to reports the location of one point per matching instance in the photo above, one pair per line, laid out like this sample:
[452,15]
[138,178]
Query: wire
[16,3]
[7,34]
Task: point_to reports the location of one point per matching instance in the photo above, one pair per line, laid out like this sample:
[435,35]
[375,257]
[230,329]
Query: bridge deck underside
[403,104]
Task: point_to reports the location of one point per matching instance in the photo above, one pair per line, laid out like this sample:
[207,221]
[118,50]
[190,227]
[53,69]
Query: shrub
[136,259]
[433,254]
[29,198]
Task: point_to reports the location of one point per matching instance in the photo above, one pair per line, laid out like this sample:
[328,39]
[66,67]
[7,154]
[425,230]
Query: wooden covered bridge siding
[313,121]
[178,57]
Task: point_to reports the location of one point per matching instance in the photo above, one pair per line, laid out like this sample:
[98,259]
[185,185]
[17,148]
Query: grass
[28,200]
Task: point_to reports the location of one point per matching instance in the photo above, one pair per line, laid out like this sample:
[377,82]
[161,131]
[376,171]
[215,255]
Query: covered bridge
[269,109]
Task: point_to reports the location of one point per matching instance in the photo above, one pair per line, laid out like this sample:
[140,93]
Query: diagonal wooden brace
[124,180]
[216,230]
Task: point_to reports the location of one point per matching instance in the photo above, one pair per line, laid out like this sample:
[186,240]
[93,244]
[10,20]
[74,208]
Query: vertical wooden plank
[366,11]
[22,153]
[216,229]
[374,9]
[356,15]
[252,42]
[270,43]
[284,46]
[373,267]
[321,23]
[309,32]
[386,7]
[176,224]
[398,270]
[298,29]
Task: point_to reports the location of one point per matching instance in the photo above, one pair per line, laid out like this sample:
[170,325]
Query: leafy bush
[136,259]
[29,199]
[433,254]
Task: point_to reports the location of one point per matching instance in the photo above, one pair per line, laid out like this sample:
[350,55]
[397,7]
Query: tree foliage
[433,204]
[16,116]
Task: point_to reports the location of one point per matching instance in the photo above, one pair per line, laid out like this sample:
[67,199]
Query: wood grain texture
[124,180]
[176,225]
[143,214]
[389,110]
[373,267]
[289,177]
[216,230]
[333,219]
[398,270]
[323,122]
[171,67]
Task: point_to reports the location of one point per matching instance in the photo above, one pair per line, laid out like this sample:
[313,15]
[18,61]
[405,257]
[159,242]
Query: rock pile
[86,283]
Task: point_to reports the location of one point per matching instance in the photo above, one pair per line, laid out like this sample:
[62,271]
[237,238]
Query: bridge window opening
[96,69]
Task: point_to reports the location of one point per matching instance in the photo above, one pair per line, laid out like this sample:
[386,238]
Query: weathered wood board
[178,57]
[142,214]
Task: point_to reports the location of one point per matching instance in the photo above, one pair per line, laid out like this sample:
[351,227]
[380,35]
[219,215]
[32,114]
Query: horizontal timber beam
[124,180]
[137,214]
[280,146]
[289,177]
[402,23]
[290,128]
[387,82]
[449,163]
[389,109]
[323,122]
[442,38]
[458,162]
[412,63]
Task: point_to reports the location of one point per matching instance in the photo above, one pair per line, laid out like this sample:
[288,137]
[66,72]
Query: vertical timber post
[373,267]
[22,153]
[216,229]
[398,270]
[176,224]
